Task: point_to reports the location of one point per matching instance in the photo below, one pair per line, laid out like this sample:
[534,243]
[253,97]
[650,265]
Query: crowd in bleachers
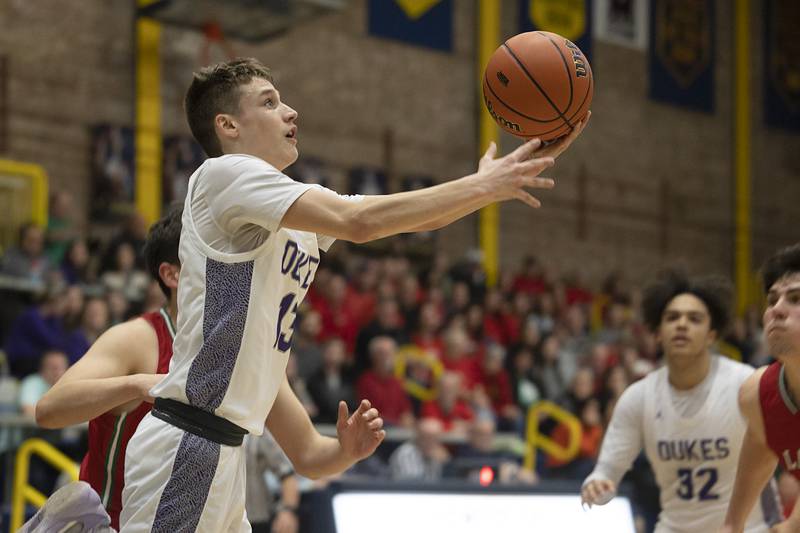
[435,349]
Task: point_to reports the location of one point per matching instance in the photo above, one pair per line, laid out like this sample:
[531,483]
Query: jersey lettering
[299,264]
[693,450]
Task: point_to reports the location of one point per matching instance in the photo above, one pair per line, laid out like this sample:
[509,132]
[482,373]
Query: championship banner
[682,53]
[622,22]
[426,23]
[782,64]
[569,18]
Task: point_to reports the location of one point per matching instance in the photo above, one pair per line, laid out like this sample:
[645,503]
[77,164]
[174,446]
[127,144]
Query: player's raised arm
[108,376]
[375,217]
[756,461]
[621,444]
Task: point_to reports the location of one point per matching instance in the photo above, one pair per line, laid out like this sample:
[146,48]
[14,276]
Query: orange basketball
[538,84]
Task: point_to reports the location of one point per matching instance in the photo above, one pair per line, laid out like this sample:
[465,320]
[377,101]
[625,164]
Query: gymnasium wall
[647,184]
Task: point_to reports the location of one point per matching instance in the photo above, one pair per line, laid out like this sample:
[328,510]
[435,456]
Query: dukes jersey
[242,279]
[694,456]
[103,466]
[781,418]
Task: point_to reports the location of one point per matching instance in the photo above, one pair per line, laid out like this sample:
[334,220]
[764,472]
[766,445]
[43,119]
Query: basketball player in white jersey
[685,415]
[249,250]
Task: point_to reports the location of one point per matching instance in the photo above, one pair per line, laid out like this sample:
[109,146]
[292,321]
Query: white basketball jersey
[695,458]
[242,279]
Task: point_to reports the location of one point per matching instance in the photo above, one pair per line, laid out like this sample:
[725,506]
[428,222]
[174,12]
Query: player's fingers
[490,152]
[524,151]
[596,491]
[607,486]
[363,407]
[369,415]
[538,183]
[558,147]
[528,199]
[375,424]
[381,435]
[535,166]
[343,414]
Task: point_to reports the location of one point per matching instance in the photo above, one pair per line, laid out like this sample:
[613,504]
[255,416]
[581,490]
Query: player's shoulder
[238,163]
[134,344]
[749,391]
[636,392]
[130,336]
[740,371]
[652,379]
[751,385]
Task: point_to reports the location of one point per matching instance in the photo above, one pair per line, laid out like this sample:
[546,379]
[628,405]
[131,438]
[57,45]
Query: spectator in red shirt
[530,279]
[382,388]
[576,291]
[458,356]
[427,336]
[591,438]
[449,405]
[337,319]
[495,384]
[361,297]
[493,318]
[388,322]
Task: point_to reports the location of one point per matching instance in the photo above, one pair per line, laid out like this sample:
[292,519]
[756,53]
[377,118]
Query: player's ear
[712,337]
[226,126]
[169,274]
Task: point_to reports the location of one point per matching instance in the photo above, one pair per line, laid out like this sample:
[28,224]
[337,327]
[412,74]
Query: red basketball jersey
[104,465]
[781,418]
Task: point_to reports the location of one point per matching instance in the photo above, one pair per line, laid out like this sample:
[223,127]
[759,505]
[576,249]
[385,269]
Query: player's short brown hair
[784,262]
[215,90]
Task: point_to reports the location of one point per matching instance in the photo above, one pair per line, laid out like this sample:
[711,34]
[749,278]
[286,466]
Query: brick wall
[71,67]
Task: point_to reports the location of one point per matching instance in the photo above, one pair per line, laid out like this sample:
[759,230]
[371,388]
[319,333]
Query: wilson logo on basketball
[502,120]
[577,58]
[502,78]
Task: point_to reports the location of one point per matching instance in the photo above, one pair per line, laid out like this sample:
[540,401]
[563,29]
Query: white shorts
[177,481]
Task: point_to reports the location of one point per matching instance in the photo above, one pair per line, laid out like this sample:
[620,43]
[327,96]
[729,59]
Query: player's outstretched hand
[598,492]
[361,432]
[557,148]
[507,177]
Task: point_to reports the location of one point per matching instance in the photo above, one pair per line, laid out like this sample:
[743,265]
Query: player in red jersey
[770,398]
[109,385]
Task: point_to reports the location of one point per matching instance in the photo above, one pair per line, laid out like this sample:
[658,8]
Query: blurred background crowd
[453,365]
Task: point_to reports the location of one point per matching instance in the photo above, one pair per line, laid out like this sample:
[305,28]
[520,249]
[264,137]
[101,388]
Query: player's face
[782,317]
[685,332]
[266,125]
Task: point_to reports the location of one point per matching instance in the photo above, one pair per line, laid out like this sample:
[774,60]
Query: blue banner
[782,64]
[426,23]
[682,53]
[569,18]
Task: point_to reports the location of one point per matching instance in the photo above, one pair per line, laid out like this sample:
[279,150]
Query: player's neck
[792,369]
[688,377]
[172,309]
